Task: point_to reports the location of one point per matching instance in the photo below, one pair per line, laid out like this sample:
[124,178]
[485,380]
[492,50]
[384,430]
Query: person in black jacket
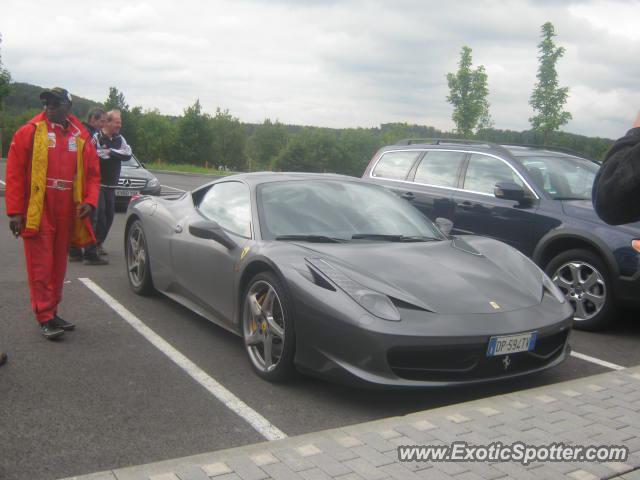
[616,189]
[112,150]
[96,120]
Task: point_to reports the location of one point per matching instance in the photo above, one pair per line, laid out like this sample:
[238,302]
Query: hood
[448,277]
[583,209]
[135,172]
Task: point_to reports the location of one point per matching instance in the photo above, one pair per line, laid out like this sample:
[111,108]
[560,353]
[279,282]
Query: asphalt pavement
[104,397]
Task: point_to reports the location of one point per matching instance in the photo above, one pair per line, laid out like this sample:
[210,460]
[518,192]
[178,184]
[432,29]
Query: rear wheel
[267,327]
[137,256]
[586,283]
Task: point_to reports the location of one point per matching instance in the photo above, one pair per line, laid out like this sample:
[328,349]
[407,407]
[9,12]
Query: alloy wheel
[583,286]
[263,326]
[136,256]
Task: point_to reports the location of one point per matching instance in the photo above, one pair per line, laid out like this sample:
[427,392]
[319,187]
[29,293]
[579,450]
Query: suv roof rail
[439,141]
[551,148]
[454,141]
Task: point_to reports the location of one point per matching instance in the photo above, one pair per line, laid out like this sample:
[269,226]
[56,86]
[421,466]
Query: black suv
[537,199]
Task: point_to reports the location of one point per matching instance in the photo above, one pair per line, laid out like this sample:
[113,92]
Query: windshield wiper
[393,238]
[312,238]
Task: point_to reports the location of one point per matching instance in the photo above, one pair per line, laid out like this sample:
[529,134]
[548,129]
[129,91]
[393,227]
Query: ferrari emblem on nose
[495,305]
[506,361]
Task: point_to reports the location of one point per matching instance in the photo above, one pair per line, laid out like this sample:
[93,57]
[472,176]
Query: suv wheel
[585,281]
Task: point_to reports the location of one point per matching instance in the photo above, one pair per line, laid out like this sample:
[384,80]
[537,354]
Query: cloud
[331,63]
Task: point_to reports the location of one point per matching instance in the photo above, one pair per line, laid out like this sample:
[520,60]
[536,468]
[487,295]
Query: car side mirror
[210,230]
[445,225]
[509,191]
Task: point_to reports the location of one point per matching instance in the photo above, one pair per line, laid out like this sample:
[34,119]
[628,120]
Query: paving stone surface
[603,410]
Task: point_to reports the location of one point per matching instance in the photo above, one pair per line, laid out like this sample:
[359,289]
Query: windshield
[132,162]
[338,210]
[562,177]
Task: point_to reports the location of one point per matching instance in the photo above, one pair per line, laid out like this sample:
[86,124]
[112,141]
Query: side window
[484,172]
[440,168]
[395,165]
[229,204]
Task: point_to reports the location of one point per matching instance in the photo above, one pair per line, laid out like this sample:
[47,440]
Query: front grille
[133,182]
[468,362]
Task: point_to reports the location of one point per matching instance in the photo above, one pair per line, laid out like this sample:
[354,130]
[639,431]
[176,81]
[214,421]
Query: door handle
[466,205]
[408,196]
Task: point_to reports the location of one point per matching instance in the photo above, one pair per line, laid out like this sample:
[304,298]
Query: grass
[179,167]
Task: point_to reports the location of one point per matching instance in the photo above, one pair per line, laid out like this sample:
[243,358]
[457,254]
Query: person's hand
[15,224]
[84,210]
[637,122]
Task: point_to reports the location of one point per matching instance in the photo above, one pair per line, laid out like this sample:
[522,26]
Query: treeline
[222,141]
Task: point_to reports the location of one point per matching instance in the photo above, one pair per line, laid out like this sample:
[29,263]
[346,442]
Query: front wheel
[268,329]
[586,283]
[137,256]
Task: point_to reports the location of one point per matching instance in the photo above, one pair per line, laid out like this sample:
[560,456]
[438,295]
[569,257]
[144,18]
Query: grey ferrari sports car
[331,276]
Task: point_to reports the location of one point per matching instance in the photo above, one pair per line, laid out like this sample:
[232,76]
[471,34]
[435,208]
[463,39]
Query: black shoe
[3,358]
[61,323]
[95,260]
[50,331]
[75,254]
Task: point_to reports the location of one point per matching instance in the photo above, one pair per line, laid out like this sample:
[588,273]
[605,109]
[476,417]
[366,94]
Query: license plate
[503,345]
[126,193]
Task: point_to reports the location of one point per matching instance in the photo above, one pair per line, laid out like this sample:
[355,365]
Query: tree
[193,145]
[358,146]
[156,136]
[116,101]
[266,143]
[228,141]
[312,150]
[548,98]
[468,95]
[5,89]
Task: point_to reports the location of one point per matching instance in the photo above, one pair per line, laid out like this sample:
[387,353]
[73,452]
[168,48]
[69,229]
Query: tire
[137,260]
[586,282]
[258,331]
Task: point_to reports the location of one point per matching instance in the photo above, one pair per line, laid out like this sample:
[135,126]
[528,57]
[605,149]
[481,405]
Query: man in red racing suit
[52,186]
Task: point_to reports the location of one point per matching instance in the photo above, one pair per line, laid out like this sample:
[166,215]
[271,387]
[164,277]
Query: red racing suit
[68,178]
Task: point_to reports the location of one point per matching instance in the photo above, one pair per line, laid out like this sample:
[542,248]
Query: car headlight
[552,288]
[375,303]
[154,182]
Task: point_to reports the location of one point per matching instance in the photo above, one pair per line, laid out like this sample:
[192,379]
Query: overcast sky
[329,63]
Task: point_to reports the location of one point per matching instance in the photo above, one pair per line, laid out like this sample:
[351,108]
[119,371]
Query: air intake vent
[407,306]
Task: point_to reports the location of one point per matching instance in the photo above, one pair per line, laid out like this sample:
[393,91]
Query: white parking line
[597,361]
[253,418]
[173,188]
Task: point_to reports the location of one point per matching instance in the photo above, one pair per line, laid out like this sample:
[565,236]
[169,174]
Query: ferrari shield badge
[52,139]
[506,361]
[495,305]
[244,252]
